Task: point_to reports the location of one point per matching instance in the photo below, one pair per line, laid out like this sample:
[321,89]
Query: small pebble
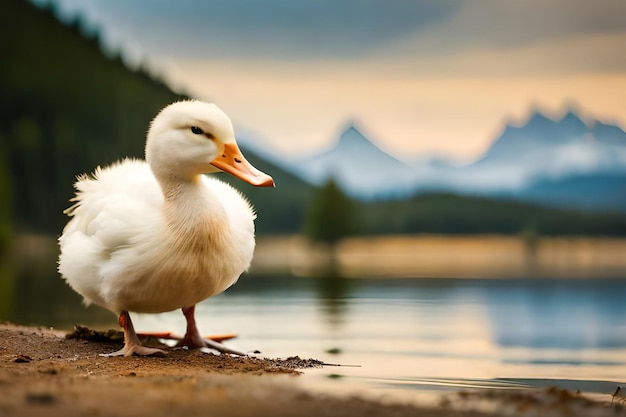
[22,359]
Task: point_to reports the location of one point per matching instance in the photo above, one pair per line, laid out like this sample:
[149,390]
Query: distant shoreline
[447,256]
[415,256]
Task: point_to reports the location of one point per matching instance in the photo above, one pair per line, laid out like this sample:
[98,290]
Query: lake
[404,337]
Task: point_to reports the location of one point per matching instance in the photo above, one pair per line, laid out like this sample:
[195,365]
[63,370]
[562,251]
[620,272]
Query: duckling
[155,235]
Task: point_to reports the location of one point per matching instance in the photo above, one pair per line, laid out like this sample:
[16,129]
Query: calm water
[408,336]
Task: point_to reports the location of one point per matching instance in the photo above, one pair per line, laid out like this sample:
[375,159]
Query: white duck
[157,235]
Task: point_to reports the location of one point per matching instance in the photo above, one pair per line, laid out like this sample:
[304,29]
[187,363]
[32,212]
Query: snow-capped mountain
[359,167]
[546,149]
[566,161]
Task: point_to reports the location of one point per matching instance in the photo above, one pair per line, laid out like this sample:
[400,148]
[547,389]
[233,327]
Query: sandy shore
[42,373]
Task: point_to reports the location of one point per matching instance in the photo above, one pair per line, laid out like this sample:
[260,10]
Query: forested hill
[65,108]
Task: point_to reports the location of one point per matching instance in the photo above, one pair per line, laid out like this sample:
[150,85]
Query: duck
[157,235]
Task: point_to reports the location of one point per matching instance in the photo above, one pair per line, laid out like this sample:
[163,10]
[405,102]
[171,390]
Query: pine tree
[332,215]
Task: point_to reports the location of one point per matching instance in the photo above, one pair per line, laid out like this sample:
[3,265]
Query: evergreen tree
[332,215]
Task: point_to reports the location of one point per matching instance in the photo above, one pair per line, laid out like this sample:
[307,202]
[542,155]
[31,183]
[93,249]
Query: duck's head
[189,138]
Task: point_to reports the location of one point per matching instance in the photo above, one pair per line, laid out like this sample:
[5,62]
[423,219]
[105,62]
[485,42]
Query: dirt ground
[42,373]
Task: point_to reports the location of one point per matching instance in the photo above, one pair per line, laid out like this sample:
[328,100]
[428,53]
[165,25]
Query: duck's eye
[196,130]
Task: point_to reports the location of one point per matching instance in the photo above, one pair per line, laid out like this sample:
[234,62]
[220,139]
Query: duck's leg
[132,345]
[193,339]
[172,336]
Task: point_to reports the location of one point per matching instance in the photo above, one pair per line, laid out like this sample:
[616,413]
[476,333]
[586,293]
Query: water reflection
[572,314]
[333,292]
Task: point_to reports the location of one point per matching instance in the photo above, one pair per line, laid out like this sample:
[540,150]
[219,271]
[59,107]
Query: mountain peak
[352,136]
[539,120]
[572,118]
[358,165]
[538,132]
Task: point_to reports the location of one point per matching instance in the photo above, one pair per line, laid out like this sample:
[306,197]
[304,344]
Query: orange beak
[233,162]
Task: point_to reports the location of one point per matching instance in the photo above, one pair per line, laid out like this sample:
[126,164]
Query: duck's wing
[111,208]
[114,204]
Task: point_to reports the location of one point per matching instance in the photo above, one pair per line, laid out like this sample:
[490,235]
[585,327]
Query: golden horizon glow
[460,115]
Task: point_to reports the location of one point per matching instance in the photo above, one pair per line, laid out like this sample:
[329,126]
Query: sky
[419,77]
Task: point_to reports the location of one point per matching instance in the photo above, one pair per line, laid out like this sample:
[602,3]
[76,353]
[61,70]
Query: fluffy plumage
[156,236]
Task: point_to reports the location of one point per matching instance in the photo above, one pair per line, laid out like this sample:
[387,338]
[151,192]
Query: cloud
[280,29]
[343,29]
[503,24]
[596,53]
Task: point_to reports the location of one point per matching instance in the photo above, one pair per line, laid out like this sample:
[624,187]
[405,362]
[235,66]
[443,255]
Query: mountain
[543,160]
[546,149]
[538,132]
[359,166]
[587,192]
